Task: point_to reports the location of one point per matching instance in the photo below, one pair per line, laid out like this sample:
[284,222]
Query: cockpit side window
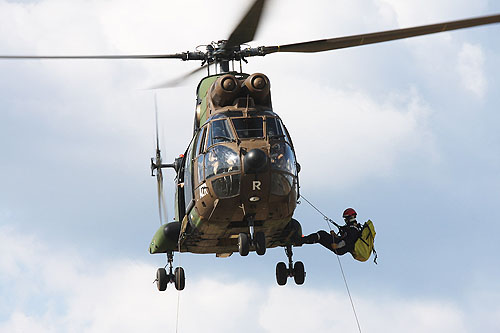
[249,127]
[199,150]
[200,144]
[284,132]
[188,174]
[220,131]
[273,128]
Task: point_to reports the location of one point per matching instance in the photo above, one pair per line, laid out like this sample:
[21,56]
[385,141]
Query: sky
[406,132]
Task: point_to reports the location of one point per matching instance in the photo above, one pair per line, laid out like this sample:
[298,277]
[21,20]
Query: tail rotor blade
[162,207]
[156,125]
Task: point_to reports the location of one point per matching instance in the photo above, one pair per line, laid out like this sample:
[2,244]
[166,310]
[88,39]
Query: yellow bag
[364,247]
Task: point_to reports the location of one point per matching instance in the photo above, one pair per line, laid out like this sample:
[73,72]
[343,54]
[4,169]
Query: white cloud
[410,13]
[327,310]
[80,296]
[436,56]
[470,68]
[350,136]
[51,288]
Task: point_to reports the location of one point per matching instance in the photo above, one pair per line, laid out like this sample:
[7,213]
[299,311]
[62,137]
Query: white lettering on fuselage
[203,190]
[256,185]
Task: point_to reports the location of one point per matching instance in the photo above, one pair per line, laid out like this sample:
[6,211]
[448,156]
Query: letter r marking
[256,185]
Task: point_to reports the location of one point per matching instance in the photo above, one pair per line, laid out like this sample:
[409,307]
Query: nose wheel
[296,270]
[256,239]
[176,276]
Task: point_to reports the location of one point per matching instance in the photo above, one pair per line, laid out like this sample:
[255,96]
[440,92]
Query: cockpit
[217,157]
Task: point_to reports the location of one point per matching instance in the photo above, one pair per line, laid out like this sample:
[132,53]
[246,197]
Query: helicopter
[237,183]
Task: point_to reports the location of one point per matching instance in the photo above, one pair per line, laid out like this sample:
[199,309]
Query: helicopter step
[296,270]
[257,239]
[176,276]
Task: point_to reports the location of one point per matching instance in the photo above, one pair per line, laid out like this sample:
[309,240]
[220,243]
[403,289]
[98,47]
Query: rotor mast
[224,51]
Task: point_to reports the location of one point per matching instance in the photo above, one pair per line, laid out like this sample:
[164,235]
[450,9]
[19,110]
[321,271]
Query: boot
[310,239]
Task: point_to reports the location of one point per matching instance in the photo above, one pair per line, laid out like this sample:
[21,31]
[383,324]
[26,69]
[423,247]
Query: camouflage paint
[160,243]
[195,217]
[202,91]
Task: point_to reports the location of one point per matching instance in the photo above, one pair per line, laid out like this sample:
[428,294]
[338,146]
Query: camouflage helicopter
[237,183]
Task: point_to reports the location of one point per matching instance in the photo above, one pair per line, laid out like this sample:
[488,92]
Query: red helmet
[348,213]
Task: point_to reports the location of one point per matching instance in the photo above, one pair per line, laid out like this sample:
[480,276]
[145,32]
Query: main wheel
[161,279]
[243,244]
[180,278]
[281,273]
[299,274]
[260,243]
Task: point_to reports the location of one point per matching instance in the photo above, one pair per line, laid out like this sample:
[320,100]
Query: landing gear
[281,273]
[299,274]
[161,279]
[260,243]
[243,244]
[177,277]
[180,279]
[296,271]
[256,239]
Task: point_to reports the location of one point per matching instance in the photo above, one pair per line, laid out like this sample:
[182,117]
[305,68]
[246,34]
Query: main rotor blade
[378,37]
[107,57]
[246,28]
[175,82]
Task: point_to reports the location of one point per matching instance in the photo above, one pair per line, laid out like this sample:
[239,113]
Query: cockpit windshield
[219,132]
[249,127]
[283,158]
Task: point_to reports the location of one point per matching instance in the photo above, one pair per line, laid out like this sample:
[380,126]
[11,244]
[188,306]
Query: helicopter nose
[255,161]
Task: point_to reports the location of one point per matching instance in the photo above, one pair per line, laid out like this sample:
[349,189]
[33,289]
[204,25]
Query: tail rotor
[156,164]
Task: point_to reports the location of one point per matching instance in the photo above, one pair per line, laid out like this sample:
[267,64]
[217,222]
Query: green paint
[195,217]
[202,92]
[160,243]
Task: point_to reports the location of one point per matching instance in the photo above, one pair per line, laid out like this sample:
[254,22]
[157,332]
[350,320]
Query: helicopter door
[188,175]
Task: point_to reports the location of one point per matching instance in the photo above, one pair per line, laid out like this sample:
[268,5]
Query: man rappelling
[351,237]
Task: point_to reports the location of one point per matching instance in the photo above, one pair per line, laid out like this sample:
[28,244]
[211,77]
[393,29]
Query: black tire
[299,274]
[260,243]
[243,244]
[180,278]
[281,273]
[161,279]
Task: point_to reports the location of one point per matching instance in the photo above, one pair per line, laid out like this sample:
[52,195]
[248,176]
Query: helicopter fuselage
[239,170]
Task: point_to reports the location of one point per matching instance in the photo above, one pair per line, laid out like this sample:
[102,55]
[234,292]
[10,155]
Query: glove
[335,246]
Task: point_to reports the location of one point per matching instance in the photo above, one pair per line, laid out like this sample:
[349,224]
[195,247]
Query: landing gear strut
[257,239]
[177,277]
[293,270]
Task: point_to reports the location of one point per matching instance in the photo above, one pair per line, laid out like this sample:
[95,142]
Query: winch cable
[327,219]
[178,291]
[162,206]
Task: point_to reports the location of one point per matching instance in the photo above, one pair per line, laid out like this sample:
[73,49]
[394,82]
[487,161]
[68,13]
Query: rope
[178,293]
[324,216]
[349,293]
[327,219]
